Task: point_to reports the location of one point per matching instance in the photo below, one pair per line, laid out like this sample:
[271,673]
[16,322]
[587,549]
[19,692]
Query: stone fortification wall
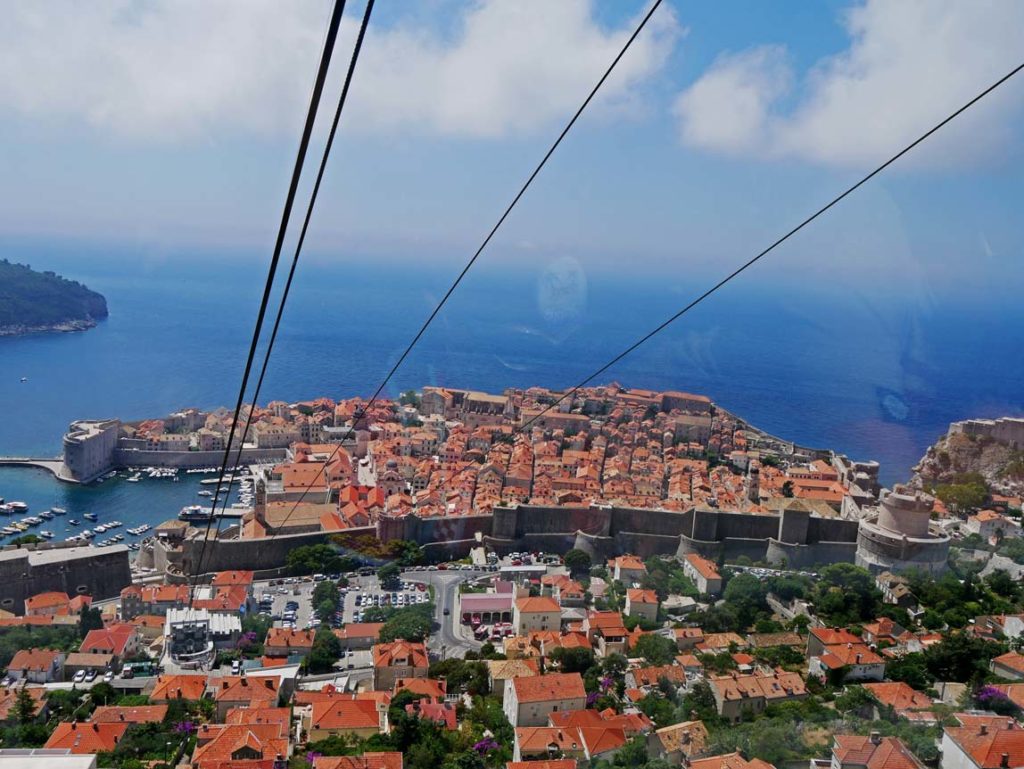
[715,525]
[24,572]
[189,459]
[668,523]
[255,554]
[807,556]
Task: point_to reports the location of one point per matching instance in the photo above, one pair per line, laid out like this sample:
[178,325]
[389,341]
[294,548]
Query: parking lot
[290,603]
[297,593]
[367,592]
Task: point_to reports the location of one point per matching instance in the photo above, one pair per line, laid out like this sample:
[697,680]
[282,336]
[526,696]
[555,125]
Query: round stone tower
[900,535]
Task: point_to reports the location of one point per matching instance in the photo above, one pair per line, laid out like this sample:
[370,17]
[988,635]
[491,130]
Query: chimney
[1004,760]
[876,738]
[1010,723]
[984,729]
[856,660]
[95,727]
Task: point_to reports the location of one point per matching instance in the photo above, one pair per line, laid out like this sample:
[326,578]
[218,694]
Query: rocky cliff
[955,455]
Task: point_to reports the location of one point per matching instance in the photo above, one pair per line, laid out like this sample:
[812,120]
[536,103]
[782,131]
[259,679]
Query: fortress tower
[900,535]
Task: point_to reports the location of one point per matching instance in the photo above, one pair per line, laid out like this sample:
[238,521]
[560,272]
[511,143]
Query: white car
[108,676]
[79,677]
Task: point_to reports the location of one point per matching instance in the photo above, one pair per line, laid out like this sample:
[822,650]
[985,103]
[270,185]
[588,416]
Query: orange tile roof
[387,655]
[878,753]
[553,686]
[179,687]
[538,604]
[359,630]
[132,714]
[780,685]
[365,761]
[294,639]
[629,562]
[986,746]
[82,739]
[690,737]
[652,675]
[898,695]
[229,578]
[227,740]
[40,660]
[109,640]
[245,689]
[1012,660]
[561,763]
[638,595]
[282,717]
[729,761]
[345,714]
[46,601]
[704,567]
[426,687]
[841,655]
[831,636]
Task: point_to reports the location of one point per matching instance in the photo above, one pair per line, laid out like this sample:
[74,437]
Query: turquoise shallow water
[866,374]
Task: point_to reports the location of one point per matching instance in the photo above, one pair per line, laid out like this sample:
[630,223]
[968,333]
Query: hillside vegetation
[40,301]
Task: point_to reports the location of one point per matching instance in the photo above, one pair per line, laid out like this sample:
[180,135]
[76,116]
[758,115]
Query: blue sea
[872,375]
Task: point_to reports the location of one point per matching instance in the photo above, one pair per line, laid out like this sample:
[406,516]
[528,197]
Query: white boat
[58,511]
[205,493]
[46,515]
[90,516]
[72,522]
[8,530]
[46,534]
[17,507]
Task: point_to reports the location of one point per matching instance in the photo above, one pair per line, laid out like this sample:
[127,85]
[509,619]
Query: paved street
[450,637]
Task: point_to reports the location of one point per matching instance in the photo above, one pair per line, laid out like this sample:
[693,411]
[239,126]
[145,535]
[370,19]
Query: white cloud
[753,81]
[198,69]
[908,65]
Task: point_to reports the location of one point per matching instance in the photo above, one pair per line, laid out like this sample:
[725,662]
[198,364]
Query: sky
[169,127]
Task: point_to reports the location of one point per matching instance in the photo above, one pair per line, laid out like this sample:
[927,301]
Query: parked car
[90,676]
[79,677]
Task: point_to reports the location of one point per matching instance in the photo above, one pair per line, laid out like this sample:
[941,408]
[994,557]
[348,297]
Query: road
[452,638]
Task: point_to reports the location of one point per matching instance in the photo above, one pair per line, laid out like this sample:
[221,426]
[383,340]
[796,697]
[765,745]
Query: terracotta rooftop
[553,686]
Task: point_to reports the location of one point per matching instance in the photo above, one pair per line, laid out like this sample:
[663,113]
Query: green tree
[103,693]
[90,619]
[967,491]
[325,652]
[577,561]
[573,660]
[390,576]
[846,594]
[25,539]
[412,623]
[787,489]
[406,552]
[911,669]
[745,593]
[655,649]
[961,657]
[24,707]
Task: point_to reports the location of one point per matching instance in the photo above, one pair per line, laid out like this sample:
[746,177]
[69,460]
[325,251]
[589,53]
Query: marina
[124,508]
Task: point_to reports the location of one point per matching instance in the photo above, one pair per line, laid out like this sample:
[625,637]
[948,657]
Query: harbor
[121,507]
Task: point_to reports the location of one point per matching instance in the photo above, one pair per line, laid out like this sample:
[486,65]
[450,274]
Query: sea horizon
[850,372]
